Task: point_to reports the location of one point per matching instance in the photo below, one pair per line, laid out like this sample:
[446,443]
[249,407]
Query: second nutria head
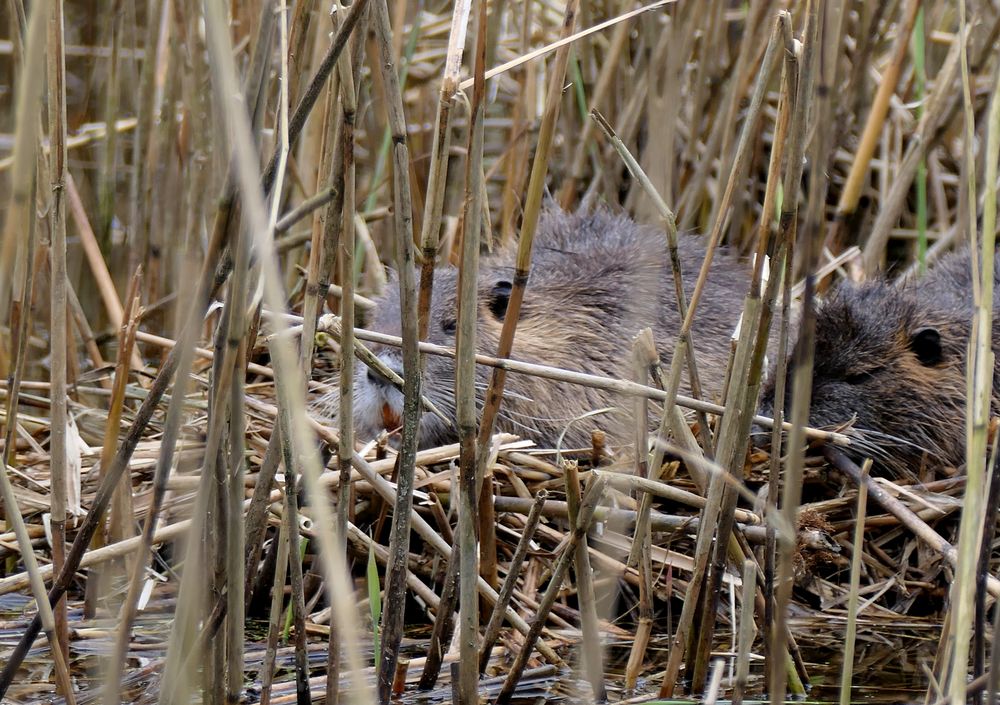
[890,361]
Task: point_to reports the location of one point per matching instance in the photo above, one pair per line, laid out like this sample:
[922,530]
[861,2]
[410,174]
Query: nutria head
[890,362]
[593,285]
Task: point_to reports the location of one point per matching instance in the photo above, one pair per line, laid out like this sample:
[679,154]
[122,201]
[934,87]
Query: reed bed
[198,202]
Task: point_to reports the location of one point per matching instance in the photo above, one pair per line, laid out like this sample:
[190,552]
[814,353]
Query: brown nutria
[596,279]
[890,359]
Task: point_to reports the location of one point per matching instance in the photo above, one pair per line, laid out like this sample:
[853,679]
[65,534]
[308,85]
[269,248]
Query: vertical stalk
[802,382]
[57,327]
[465,379]
[288,373]
[108,176]
[437,177]
[979,378]
[19,236]
[853,595]
[399,541]
[522,269]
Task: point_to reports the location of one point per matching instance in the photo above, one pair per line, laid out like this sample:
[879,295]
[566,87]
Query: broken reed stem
[291,520]
[465,387]
[122,513]
[802,75]
[917,526]
[111,430]
[785,264]
[588,506]
[236,532]
[58,349]
[399,540]
[592,661]
[492,631]
[437,175]
[747,629]
[644,356]
[267,671]
[853,596]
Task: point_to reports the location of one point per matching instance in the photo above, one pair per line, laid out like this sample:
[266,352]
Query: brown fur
[892,358]
[597,278]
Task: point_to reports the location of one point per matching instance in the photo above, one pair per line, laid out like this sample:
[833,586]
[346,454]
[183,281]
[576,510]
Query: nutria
[597,278]
[890,360]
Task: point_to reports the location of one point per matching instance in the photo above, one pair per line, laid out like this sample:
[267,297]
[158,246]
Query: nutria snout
[890,361]
[597,279]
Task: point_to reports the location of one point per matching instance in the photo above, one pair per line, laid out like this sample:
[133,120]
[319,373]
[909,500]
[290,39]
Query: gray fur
[597,278]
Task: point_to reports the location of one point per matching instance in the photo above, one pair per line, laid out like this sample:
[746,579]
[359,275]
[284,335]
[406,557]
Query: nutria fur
[597,278]
[892,358]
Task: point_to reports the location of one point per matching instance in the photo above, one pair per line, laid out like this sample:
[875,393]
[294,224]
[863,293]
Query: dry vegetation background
[147,176]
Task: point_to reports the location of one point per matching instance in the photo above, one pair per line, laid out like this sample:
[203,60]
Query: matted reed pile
[191,191]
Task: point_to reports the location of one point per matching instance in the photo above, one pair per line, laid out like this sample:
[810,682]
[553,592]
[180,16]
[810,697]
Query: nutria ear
[498,298]
[926,345]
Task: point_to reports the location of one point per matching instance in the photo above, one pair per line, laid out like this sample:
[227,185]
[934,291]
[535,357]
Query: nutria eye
[859,378]
[499,298]
[926,345]
[449,325]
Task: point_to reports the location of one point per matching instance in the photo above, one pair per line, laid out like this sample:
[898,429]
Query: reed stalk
[470,475]
[56,75]
[492,630]
[801,71]
[872,133]
[939,107]
[437,176]
[979,376]
[855,583]
[522,266]
[109,175]
[399,542]
[288,374]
